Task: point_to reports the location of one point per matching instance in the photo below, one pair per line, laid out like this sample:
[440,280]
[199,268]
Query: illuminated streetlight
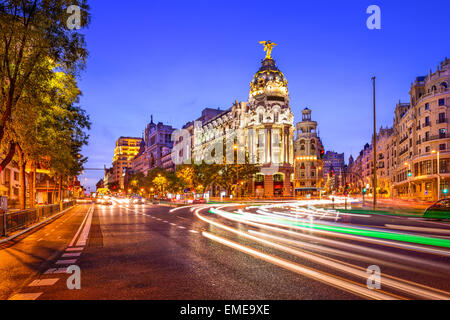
[438,175]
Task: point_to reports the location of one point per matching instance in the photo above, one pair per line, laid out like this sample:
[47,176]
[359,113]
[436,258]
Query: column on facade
[287,185]
[268,185]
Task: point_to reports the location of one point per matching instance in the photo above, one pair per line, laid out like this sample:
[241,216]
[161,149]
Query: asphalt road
[235,252]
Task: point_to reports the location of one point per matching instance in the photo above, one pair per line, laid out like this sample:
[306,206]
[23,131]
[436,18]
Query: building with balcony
[262,130]
[308,165]
[416,151]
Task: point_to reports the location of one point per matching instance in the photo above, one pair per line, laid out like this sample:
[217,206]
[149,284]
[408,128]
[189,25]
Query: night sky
[174,58]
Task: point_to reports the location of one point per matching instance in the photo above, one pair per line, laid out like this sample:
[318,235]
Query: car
[200,200]
[137,200]
[439,210]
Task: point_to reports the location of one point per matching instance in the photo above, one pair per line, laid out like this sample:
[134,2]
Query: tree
[160,183]
[32,32]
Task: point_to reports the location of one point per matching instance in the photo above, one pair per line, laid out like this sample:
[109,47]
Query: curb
[35,226]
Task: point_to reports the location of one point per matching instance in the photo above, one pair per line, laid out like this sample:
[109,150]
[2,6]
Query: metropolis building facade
[260,130]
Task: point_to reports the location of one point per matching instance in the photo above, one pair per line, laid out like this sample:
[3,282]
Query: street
[291,250]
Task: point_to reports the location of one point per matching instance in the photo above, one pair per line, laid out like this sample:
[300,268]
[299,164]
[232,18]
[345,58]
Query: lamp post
[438,175]
[374,150]
[409,174]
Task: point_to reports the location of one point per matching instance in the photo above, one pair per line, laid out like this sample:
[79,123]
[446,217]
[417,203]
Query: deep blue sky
[174,58]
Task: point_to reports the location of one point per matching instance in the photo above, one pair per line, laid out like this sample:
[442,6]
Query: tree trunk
[33,186]
[22,181]
[60,189]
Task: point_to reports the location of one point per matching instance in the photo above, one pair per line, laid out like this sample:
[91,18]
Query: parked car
[439,210]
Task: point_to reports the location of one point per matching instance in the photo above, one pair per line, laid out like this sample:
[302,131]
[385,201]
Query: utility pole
[374,150]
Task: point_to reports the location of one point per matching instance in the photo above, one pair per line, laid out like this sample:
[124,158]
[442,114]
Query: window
[441,102]
[442,146]
[16,176]
[441,118]
[261,118]
[427,121]
[427,106]
[442,134]
[427,149]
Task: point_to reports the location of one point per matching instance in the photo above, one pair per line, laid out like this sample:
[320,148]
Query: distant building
[154,148]
[100,184]
[307,162]
[333,170]
[126,150]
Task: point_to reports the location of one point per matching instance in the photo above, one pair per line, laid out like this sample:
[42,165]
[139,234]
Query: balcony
[427,124]
[436,137]
[442,120]
[403,140]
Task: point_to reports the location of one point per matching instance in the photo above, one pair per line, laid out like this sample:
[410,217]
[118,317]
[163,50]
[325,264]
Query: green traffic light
[445,191]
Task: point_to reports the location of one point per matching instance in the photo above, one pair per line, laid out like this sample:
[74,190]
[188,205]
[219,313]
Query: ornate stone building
[262,130]
[308,165]
[407,164]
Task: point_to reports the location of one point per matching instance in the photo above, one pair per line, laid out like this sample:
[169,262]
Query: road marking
[79,229]
[166,221]
[87,227]
[173,224]
[69,255]
[75,249]
[181,227]
[56,270]
[420,229]
[26,296]
[193,231]
[43,282]
[70,261]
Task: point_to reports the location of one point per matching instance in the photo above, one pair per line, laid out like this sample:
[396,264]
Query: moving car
[200,200]
[439,210]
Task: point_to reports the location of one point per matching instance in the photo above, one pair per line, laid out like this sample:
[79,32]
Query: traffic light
[347,186]
[409,173]
[364,190]
[445,191]
[332,173]
[322,153]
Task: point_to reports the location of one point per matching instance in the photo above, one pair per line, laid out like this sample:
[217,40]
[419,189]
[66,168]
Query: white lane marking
[300,269]
[173,224]
[79,229]
[420,229]
[69,261]
[75,249]
[85,233]
[40,239]
[43,282]
[181,227]
[70,255]
[56,270]
[166,221]
[193,231]
[26,296]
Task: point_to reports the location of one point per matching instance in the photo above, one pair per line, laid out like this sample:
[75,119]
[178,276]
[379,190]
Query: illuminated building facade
[407,164]
[308,166]
[126,149]
[263,129]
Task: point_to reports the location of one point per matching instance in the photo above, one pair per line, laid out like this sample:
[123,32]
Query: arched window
[444,84]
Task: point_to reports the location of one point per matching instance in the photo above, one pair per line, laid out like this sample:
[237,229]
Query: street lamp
[409,175]
[438,175]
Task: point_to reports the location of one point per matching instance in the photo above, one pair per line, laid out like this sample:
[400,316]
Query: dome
[268,78]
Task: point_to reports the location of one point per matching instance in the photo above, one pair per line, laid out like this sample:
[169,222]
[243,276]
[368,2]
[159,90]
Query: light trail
[421,291]
[308,272]
[353,233]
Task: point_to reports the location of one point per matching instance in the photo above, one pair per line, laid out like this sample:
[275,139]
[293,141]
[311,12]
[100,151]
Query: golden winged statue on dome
[268,46]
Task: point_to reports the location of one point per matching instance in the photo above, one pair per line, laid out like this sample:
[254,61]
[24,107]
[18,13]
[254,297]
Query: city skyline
[158,70]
